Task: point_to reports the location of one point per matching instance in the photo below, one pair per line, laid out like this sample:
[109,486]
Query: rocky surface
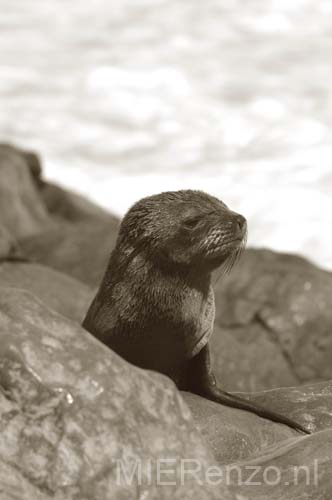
[9,248]
[71,409]
[81,250]
[22,212]
[235,435]
[311,404]
[286,464]
[232,434]
[273,323]
[58,291]
[70,206]
[298,468]
[51,225]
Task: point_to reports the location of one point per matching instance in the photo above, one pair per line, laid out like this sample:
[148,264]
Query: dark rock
[58,291]
[70,409]
[273,323]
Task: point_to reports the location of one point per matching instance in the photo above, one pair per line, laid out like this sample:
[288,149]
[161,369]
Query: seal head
[183,229]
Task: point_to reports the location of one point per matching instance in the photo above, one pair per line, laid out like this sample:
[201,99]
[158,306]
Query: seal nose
[239,224]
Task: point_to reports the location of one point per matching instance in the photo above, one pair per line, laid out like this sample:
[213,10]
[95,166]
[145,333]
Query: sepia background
[125,99]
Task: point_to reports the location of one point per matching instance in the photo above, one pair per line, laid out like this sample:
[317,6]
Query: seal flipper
[203,383]
[213,393]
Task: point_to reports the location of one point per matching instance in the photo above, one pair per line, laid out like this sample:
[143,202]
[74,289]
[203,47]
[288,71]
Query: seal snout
[240,226]
[241,222]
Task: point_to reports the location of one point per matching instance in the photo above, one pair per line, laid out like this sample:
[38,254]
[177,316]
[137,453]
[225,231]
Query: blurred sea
[124,99]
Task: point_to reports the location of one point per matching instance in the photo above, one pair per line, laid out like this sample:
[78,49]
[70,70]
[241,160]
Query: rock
[58,291]
[80,240]
[31,159]
[273,323]
[232,434]
[70,206]
[49,224]
[245,358]
[9,248]
[59,202]
[81,250]
[14,486]
[299,468]
[70,408]
[310,405]
[235,435]
[22,212]
[72,411]
[287,464]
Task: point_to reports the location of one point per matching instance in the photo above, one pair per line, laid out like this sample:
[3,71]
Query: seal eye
[191,223]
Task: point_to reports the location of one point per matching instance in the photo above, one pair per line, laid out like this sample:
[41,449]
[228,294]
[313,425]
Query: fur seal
[155,305]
